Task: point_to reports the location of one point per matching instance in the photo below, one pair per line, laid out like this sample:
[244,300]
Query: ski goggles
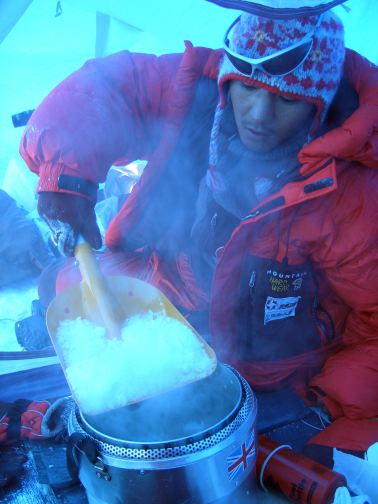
[280,63]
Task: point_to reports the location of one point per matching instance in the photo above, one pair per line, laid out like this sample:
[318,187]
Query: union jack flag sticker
[238,461]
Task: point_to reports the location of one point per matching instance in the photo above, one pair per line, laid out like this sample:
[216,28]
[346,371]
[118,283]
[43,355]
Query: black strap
[21,118]
[79,185]
[14,414]
[85,445]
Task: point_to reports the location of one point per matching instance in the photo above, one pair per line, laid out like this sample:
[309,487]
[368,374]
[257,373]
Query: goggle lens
[240,65]
[280,65]
[288,61]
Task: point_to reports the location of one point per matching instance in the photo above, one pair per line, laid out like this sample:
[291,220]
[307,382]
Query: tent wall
[10,13]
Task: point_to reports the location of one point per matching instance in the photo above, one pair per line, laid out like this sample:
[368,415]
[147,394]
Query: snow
[155,353]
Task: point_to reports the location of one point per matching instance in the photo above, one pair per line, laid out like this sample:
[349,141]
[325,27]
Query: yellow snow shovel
[110,302]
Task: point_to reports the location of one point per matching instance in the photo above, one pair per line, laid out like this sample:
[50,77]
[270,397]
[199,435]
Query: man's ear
[343,105]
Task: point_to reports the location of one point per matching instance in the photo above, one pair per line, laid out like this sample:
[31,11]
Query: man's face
[265,120]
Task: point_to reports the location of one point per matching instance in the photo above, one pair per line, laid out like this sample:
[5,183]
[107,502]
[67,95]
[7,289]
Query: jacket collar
[320,180]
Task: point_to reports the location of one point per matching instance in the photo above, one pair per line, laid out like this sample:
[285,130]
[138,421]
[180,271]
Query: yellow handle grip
[88,266]
[108,306]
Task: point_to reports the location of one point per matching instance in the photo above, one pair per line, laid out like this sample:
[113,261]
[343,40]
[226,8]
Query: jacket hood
[356,136]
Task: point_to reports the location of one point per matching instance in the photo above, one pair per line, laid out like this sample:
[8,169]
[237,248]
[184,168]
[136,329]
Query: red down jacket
[134,106]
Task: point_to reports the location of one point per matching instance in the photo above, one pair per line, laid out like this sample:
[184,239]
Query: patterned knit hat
[315,80]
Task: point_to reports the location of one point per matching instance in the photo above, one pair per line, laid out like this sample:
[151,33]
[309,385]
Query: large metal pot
[193,445]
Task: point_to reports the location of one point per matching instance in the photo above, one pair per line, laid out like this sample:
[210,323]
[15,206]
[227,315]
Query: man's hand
[68,215]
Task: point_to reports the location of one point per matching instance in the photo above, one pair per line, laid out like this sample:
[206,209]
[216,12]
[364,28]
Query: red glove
[22,420]
[68,215]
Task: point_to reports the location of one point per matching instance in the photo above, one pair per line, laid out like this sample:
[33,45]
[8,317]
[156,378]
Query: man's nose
[261,106]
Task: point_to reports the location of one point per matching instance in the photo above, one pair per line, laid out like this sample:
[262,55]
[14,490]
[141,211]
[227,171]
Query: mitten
[69,215]
[34,420]
[22,420]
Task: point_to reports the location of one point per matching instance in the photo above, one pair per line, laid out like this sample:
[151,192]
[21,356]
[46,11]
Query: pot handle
[78,442]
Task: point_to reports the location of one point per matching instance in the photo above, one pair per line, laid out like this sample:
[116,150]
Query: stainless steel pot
[194,445]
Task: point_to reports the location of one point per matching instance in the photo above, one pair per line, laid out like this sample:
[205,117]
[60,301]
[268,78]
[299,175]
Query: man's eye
[288,99]
[245,85]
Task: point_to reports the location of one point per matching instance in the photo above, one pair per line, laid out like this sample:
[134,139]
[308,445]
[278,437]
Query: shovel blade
[135,297]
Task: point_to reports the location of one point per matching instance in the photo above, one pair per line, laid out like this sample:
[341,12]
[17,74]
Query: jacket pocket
[277,310]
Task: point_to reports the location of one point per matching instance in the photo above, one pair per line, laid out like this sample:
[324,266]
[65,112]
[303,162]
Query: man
[273,242]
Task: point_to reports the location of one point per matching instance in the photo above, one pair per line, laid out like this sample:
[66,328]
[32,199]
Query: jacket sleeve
[348,382]
[108,109]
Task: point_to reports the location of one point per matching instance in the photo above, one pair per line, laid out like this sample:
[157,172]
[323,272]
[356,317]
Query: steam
[183,412]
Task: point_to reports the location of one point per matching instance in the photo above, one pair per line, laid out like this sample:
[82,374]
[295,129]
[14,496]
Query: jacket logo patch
[297,283]
[280,308]
[282,282]
[288,276]
[279,284]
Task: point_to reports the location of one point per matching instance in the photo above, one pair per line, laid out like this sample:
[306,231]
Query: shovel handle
[107,305]
[89,268]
